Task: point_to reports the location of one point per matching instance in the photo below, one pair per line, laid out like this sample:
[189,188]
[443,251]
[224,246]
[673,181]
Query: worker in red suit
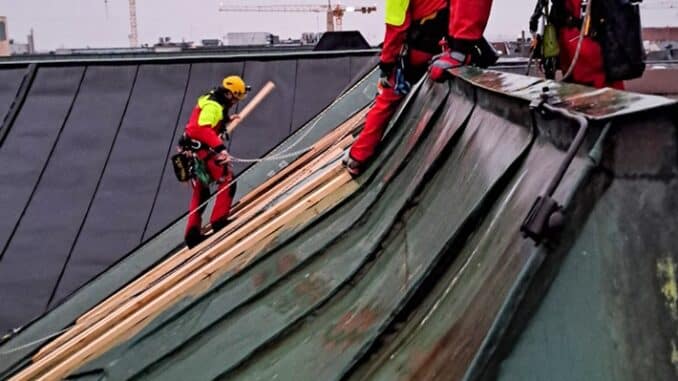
[413,31]
[205,133]
[468,22]
[589,69]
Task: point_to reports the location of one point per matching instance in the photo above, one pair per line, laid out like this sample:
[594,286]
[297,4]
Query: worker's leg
[222,203]
[377,118]
[589,69]
[385,105]
[468,19]
[200,194]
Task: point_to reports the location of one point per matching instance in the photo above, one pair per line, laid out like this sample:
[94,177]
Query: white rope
[33,343]
[284,153]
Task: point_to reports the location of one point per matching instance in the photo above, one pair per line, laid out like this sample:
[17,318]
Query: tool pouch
[182,166]
[550,45]
[618,29]
[187,167]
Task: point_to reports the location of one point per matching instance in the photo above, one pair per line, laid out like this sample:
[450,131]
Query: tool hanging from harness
[422,35]
[401,86]
[187,165]
[545,46]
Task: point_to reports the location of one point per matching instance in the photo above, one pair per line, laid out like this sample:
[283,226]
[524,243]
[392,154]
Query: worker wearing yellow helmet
[204,137]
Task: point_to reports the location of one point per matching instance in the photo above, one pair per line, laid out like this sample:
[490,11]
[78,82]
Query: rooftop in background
[247,43]
[660,34]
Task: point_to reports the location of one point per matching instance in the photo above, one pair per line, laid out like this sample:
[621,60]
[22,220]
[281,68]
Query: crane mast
[133,34]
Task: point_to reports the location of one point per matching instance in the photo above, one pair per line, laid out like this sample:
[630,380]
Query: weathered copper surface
[422,273]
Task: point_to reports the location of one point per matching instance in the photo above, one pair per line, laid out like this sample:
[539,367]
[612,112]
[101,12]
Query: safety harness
[187,163]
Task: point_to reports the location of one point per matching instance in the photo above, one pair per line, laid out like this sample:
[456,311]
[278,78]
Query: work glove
[222,158]
[448,59]
[385,72]
[353,166]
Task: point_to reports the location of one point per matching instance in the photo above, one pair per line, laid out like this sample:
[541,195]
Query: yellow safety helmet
[236,86]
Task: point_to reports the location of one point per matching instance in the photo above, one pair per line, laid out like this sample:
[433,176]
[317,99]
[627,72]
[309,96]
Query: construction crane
[335,14]
[133,34]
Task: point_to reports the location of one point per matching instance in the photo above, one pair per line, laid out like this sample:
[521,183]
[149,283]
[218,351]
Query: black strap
[425,34]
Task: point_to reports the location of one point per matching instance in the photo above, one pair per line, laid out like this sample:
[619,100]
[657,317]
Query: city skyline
[87,23]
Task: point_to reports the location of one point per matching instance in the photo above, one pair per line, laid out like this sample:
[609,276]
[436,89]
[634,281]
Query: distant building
[100,51]
[250,38]
[661,43]
[211,42]
[659,35]
[310,38]
[18,49]
[4,39]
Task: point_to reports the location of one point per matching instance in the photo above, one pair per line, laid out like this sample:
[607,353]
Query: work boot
[438,71]
[193,238]
[220,224]
[353,166]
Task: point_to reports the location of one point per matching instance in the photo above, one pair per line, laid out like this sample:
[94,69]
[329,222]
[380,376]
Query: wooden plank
[242,216]
[195,263]
[245,213]
[346,128]
[263,93]
[120,298]
[140,311]
[247,202]
[296,177]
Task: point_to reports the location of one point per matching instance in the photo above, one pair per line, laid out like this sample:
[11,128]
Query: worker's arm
[206,131]
[394,40]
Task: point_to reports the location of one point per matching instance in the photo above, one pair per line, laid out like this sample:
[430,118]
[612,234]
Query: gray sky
[82,23]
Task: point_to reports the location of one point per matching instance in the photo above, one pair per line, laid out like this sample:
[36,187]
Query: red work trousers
[385,105]
[468,18]
[589,69]
[223,176]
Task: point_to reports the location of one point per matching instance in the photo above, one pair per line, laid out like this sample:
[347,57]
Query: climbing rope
[33,343]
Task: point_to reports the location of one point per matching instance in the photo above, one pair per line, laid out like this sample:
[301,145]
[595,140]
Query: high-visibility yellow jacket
[207,121]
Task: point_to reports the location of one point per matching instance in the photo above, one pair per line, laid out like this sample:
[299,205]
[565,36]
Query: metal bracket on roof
[546,215]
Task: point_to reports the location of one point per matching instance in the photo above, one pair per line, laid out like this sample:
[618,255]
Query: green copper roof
[420,271]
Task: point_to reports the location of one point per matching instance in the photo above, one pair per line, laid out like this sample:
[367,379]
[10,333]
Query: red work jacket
[207,122]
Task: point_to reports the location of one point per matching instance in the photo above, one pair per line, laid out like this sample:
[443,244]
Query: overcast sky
[93,23]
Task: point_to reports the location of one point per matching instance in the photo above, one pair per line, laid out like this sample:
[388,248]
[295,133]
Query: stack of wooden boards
[310,185]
